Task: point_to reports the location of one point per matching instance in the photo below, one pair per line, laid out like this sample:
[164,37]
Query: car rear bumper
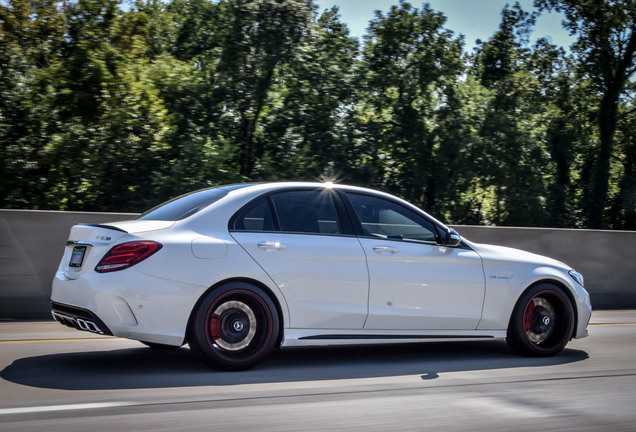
[125,305]
[79,319]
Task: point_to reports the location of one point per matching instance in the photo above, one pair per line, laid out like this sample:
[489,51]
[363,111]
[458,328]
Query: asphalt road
[58,379]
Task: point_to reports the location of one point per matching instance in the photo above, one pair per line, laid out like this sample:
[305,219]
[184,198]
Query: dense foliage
[111,108]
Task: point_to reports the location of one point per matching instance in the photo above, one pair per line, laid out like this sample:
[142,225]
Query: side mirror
[453,239]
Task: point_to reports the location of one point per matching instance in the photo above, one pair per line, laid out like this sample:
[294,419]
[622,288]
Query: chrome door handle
[385,250]
[271,246]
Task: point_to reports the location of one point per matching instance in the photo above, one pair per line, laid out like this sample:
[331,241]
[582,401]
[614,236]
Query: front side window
[389,220]
[307,212]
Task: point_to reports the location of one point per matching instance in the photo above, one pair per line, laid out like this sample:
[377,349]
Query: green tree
[257,38]
[412,64]
[110,124]
[184,44]
[103,108]
[31,34]
[305,133]
[564,113]
[623,209]
[605,47]
[513,165]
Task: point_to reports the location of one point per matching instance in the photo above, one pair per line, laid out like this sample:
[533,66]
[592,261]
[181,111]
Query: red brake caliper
[527,318]
[215,327]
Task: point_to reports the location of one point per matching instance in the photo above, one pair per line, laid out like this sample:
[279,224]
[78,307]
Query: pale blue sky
[475,19]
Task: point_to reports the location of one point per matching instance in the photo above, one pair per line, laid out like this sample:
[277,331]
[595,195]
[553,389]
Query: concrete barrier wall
[607,259]
[32,244]
[31,247]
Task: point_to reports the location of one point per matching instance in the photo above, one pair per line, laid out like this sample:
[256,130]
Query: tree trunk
[601,172]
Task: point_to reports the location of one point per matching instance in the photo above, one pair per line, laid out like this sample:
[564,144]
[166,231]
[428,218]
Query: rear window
[185,205]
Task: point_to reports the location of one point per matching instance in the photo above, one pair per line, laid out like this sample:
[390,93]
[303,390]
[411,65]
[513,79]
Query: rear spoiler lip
[114,228]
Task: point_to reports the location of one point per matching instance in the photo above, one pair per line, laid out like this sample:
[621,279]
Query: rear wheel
[542,322]
[234,327]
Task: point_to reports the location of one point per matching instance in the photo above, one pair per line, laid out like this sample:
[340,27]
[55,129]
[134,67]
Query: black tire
[542,322]
[234,327]
[160,347]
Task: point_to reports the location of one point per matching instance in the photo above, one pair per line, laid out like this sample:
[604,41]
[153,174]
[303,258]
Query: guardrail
[32,243]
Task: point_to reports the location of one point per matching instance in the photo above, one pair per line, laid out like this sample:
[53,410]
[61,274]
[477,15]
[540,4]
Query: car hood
[494,253]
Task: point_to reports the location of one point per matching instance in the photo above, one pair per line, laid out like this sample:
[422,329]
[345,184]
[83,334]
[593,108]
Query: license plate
[77,257]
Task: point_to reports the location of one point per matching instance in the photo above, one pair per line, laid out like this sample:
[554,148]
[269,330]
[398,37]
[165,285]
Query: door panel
[425,287]
[301,240]
[414,282]
[324,278]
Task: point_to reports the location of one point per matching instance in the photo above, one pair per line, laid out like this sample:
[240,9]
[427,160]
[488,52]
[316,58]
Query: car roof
[270,186]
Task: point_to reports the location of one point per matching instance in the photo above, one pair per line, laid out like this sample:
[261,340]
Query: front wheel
[234,327]
[542,322]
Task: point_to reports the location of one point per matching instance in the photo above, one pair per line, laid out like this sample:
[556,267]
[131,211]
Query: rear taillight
[126,255]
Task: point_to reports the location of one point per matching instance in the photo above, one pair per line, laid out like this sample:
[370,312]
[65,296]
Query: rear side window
[300,211]
[184,205]
[256,216]
[307,212]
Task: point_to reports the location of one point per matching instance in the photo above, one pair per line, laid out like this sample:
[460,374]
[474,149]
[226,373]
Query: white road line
[71,407]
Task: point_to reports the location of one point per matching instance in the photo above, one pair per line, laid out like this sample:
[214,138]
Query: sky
[475,19]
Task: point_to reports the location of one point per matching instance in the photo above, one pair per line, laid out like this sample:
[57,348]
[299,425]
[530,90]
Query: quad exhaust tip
[77,323]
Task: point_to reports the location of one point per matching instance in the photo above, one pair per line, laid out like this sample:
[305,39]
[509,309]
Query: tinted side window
[389,220]
[257,216]
[307,212]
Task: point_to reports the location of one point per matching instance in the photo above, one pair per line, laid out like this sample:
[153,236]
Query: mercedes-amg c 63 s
[235,271]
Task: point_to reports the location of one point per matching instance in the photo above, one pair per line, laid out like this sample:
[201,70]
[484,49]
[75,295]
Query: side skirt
[295,337]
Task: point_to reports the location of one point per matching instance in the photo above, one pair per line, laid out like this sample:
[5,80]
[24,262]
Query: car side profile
[234,271]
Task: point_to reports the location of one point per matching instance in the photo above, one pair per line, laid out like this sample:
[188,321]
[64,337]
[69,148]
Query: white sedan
[235,271]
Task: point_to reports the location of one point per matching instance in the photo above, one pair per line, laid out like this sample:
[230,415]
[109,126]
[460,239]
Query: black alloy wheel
[234,327]
[542,322]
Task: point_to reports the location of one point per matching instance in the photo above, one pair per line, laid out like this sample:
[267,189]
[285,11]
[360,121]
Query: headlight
[578,277]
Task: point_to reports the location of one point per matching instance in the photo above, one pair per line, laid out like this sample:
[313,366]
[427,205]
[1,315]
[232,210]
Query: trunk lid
[87,243]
